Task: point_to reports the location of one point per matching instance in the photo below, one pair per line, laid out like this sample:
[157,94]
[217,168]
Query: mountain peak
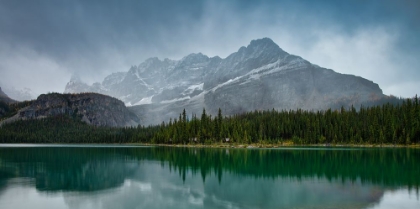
[149,62]
[264,48]
[262,42]
[195,57]
[76,85]
[152,59]
[75,78]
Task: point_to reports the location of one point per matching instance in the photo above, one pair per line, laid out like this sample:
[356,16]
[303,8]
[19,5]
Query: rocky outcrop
[92,108]
[260,76]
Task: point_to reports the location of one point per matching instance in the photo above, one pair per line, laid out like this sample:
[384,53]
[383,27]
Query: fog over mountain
[260,76]
[43,43]
[19,94]
[4,97]
[4,101]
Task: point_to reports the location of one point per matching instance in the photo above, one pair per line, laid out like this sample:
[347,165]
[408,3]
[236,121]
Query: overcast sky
[43,42]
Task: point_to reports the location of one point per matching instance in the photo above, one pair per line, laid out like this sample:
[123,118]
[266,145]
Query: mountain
[260,76]
[92,108]
[24,94]
[5,98]
[4,103]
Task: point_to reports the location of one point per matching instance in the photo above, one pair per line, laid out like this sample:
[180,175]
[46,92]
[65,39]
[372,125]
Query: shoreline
[284,145]
[227,145]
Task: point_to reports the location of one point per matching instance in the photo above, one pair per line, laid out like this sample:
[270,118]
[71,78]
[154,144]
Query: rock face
[257,77]
[94,109]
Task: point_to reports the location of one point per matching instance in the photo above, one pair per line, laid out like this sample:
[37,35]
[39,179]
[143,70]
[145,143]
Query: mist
[43,43]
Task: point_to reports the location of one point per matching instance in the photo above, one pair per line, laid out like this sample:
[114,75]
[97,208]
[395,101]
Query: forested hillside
[386,124]
[389,124]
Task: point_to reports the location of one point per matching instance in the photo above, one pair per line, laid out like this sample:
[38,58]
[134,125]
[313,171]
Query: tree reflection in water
[159,177]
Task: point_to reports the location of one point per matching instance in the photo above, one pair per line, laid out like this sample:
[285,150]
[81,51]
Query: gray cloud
[44,42]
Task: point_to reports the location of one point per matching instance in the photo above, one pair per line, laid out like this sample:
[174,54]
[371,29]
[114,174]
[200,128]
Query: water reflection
[109,177]
[68,169]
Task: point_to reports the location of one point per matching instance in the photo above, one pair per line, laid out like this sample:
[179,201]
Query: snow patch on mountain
[258,76]
[197,86]
[230,81]
[146,100]
[175,100]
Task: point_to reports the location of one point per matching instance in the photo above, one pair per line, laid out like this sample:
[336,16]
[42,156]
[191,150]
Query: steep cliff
[94,109]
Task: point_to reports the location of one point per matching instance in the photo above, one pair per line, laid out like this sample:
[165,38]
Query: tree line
[365,165]
[383,124]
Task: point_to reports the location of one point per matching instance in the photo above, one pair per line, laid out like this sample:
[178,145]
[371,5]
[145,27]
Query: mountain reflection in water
[166,177]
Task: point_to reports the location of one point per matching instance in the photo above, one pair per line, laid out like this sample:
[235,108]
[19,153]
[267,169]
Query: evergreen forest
[391,124]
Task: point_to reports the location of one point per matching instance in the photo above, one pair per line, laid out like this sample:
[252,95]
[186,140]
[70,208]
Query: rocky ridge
[92,108]
[259,76]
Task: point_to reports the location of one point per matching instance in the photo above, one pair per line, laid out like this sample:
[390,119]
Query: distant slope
[257,77]
[92,108]
[5,98]
[23,94]
[4,103]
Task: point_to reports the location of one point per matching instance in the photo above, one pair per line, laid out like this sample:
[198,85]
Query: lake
[94,176]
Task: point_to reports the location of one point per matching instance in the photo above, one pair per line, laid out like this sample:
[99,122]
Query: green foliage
[297,140]
[11,109]
[386,124]
[4,106]
[65,129]
[64,168]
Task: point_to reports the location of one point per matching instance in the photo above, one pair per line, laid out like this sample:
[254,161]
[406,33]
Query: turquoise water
[94,176]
